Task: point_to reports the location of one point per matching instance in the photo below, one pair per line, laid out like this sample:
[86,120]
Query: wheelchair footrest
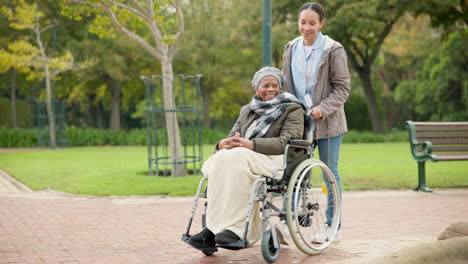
[233,246]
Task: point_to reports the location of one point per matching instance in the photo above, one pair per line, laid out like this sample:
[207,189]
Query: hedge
[10,138]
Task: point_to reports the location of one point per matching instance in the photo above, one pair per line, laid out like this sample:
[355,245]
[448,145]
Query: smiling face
[309,25]
[268,88]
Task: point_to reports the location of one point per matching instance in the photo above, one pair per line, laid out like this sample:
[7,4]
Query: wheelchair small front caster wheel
[208,252]
[269,252]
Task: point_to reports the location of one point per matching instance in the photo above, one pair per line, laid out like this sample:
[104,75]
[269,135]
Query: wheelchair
[299,200]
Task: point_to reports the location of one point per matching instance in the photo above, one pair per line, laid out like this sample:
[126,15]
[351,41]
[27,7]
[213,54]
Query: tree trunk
[391,107]
[172,126]
[50,111]
[114,87]
[88,118]
[13,100]
[99,118]
[374,113]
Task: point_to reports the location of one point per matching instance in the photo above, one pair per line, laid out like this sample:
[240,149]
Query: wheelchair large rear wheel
[312,193]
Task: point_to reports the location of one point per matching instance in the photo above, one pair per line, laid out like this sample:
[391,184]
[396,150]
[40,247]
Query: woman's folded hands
[235,142]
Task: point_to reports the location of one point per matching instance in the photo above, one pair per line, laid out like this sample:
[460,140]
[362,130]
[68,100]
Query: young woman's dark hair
[314,7]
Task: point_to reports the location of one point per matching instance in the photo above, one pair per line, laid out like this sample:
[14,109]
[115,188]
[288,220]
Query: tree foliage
[440,90]
[450,14]
[362,27]
[223,42]
[30,55]
[157,27]
[411,41]
[412,71]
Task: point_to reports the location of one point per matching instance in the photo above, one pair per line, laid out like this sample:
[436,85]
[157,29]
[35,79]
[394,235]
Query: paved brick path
[49,227]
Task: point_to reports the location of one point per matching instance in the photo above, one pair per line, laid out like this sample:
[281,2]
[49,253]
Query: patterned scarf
[268,111]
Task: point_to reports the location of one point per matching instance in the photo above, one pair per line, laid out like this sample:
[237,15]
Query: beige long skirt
[231,174]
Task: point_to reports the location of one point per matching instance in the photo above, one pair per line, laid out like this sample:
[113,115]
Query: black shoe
[226,237]
[205,240]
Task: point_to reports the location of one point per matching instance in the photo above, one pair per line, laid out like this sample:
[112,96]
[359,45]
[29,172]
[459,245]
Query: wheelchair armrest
[299,143]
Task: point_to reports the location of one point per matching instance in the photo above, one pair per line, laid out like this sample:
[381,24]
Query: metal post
[267,33]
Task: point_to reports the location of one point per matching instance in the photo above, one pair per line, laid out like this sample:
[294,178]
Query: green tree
[34,59]
[110,88]
[12,83]
[362,27]
[401,59]
[5,38]
[451,14]
[429,88]
[223,42]
[440,90]
[157,27]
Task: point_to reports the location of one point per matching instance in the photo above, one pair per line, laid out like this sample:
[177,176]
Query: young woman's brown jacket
[331,89]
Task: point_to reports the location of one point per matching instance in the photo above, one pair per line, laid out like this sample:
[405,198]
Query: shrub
[355,106]
[17,138]
[74,136]
[96,137]
[355,136]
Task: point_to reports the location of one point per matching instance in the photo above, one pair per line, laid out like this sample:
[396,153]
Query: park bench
[436,141]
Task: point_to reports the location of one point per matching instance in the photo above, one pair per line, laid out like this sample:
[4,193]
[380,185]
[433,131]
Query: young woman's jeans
[329,150]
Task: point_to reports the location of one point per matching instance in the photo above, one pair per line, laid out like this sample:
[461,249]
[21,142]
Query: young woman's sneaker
[325,234]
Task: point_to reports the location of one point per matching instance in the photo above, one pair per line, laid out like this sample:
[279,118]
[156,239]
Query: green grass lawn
[391,166]
[120,170]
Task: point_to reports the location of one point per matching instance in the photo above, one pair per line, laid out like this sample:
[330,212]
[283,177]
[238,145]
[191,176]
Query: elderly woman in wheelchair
[264,155]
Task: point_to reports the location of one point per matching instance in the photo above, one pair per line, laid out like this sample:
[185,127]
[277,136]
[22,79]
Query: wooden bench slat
[447,141]
[441,134]
[441,128]
[451,156]
[440,123]
[449,148]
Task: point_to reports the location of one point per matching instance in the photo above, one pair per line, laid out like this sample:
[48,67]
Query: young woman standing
[316,71]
